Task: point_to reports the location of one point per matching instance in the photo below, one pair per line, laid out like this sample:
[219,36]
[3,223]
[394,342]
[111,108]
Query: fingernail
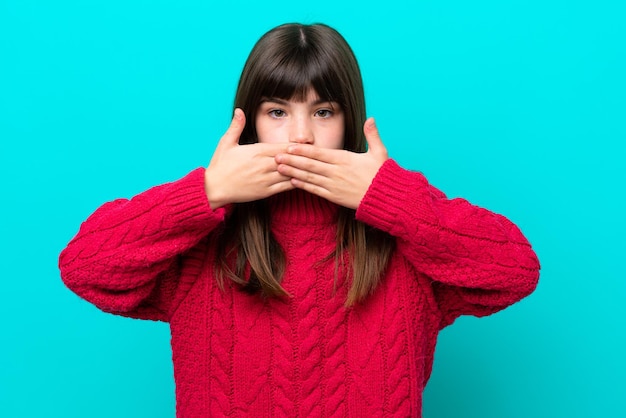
[237,114]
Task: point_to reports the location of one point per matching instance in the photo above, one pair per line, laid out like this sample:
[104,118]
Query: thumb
[231,137]
[374,143]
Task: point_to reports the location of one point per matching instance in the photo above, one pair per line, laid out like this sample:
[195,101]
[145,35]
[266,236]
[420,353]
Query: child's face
[310,122]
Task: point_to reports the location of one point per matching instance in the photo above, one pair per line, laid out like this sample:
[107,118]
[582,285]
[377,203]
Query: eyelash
[329,113]
[278,113]
[273,112]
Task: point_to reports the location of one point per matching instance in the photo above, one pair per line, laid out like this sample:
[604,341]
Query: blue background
[518,106]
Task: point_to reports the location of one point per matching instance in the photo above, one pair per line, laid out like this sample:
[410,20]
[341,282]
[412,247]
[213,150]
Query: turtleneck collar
[300,207]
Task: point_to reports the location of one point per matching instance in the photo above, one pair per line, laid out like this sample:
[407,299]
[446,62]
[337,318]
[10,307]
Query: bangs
[292,78]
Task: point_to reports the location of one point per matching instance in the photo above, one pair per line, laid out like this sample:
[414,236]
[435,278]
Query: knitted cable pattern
[237,355]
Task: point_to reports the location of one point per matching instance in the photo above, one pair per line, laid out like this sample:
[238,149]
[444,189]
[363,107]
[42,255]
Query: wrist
[213,194]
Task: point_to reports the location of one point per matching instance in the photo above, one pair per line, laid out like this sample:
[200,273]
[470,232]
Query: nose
[301,131]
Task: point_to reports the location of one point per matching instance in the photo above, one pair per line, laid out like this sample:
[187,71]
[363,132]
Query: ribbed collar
[301,208]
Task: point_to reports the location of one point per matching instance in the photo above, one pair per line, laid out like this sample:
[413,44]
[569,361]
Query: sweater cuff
[393,193]
[187,202]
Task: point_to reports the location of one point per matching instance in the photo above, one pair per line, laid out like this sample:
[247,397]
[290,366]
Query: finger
[302,175]
[326,155]
[270,150]
[312,188]
[305,164]
[275,177]
[374,143]
[231,137]
[280,187]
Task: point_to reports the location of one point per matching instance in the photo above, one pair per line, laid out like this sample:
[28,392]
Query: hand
[243,173]
[340,176]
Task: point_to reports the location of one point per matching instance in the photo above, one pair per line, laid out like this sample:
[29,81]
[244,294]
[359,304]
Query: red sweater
[235,354]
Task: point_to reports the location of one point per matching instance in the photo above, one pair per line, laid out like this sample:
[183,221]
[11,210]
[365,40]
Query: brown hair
[286,63]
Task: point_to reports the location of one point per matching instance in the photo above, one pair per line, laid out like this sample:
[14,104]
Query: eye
[276,113]
[324,113]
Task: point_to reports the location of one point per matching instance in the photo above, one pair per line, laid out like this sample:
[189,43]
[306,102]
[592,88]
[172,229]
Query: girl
[303,272]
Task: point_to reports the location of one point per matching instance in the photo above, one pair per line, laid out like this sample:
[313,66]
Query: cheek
[268,132]
[262,131]
[339,135]
[335,140]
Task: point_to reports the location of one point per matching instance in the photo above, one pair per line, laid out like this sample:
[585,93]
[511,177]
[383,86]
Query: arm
[128,255]
[479,262]
[125,258]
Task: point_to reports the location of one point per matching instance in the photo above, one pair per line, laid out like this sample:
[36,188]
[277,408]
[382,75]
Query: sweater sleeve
[478,261]
[127,257]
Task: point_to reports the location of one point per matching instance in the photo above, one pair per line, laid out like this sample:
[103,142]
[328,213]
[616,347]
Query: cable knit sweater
[235,354]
